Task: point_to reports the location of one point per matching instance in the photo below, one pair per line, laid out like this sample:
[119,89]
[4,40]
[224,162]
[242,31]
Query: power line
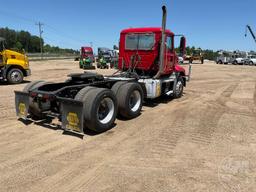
[61,34]
[17,16]
[53,29]
[40,35]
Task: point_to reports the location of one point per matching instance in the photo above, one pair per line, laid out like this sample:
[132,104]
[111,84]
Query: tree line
[23,40]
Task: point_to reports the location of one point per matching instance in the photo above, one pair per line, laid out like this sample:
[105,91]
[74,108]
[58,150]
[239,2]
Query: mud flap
[21,104]
[72,116]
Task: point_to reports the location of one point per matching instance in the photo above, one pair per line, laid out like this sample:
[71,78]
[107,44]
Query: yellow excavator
[14,66]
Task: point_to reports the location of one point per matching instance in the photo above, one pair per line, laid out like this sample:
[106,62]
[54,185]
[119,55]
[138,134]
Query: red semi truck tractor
[148,68]
[87,52]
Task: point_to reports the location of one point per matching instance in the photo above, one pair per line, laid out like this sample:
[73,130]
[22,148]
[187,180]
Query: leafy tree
[18,45]
[18,40]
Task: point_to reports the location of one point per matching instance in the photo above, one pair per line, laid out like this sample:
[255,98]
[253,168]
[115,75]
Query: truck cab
[250,60]
[140,51]
[14,66]
[87,52]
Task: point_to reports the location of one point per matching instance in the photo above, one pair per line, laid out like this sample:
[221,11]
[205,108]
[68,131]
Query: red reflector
[32,94]
[46,96]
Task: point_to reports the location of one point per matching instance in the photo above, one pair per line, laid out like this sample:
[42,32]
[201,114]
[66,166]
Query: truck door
[169,52]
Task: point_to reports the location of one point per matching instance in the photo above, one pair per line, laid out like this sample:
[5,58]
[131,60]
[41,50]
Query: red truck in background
[86,59]
[87,52]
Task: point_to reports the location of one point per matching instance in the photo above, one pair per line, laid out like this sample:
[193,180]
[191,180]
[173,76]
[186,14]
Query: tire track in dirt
[7,112]
[255,96]
[211,114]
[35,152]
[11,127]
[99,156]
[29,167]
[161,139]
[24,145]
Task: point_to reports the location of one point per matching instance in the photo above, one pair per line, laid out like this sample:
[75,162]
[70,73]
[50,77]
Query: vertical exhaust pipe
[162,48]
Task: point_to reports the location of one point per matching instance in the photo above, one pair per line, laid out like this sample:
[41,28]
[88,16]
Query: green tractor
[86,63]
[102,64]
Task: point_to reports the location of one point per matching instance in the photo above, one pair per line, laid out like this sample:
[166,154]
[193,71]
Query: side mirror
[182,46]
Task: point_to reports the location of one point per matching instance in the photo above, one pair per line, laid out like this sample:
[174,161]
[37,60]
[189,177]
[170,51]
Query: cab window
[139,41]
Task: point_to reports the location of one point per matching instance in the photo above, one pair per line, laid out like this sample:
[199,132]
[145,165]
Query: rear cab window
[144,41]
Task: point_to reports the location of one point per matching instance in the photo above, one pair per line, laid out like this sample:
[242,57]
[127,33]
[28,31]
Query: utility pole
[40,35]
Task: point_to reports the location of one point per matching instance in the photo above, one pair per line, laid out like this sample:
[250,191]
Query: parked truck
[14,66]
[250,60]
[148,68]
[104,57]
[86,58]
[235,58]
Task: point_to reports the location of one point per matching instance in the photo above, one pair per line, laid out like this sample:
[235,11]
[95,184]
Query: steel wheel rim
[178,87]
[105,110]
[135,100]
[15,76]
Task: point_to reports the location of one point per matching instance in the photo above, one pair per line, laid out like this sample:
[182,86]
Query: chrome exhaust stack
[162,48]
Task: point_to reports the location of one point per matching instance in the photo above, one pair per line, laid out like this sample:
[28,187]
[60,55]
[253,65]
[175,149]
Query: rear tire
[31,85]
[115,88]
[80,96]
[129,99]
[15,76]
[100,108]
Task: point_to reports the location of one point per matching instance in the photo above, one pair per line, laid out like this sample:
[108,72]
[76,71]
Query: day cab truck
[14,66]
[86,59]
[148,68]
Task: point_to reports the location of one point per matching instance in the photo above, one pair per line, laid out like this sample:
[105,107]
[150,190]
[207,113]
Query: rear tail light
[33,94]
[46,97]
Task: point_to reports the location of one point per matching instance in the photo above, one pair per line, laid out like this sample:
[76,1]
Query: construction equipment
[250,29]
[148,68]
[197,54]
[86,58]
[102,63]
[14,66]
[104,58]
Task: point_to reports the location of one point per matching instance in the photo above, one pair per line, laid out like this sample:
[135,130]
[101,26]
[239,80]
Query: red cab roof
[145,29]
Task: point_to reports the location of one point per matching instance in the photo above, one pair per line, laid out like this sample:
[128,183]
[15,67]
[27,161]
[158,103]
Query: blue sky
[218,24]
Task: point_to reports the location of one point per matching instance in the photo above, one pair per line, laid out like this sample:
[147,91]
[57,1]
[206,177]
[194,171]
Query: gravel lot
[204,141]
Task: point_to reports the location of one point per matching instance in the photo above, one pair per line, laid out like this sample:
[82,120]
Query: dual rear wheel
[101,106]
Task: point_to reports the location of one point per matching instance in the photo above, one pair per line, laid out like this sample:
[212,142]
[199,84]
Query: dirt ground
[204,141]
